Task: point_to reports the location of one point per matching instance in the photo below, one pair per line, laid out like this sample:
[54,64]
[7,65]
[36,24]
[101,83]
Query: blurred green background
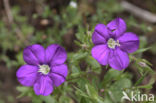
[67,22]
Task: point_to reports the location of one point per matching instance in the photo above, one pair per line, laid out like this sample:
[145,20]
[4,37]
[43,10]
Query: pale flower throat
[44,69]
[112,43]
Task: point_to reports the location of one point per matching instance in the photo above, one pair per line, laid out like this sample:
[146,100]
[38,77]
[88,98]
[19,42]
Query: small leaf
[149,85]
[140,80]
[142,50]
[83,100]
[48,99]
[23,90]
[91,91]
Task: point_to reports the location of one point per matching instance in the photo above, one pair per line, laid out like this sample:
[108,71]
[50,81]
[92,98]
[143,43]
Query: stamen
[44,69]
[112,43]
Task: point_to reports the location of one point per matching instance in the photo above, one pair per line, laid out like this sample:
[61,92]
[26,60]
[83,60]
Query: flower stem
[103,72]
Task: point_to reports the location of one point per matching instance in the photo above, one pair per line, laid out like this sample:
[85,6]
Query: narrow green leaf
[140,80]
[142,50]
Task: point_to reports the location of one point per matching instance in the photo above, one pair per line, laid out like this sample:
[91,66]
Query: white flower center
[44,69]
[112,43]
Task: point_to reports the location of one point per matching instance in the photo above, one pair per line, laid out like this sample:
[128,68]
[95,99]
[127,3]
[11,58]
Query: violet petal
[55,54]
[101,54]
[34,54]
[100,32]
[57,79]
[98,39]
[118,27]
[129,42]
[43,85]
[50,52]
[27,74]
[118,59]
[60,69]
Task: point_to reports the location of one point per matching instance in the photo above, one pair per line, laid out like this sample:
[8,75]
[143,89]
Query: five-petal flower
[112,44]
[45,68]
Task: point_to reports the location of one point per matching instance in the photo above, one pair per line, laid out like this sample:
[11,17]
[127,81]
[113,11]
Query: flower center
[112,43]
[44,69]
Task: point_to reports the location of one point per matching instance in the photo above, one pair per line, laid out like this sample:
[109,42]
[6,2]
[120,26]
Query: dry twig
[141,13]
[11,21]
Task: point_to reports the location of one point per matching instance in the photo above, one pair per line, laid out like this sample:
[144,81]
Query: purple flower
[45,68]
[112,44]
